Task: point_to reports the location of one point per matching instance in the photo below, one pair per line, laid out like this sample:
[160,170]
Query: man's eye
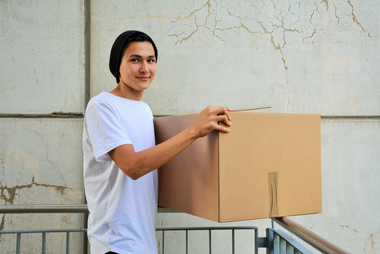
[151,61]
[134,60]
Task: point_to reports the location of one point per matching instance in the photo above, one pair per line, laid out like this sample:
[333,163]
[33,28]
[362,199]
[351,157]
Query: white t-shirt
[122,211]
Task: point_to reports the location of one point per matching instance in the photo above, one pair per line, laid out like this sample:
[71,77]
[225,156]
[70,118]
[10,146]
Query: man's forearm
[136,164]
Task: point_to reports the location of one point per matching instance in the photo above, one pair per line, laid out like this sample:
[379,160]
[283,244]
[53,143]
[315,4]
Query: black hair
[140,37]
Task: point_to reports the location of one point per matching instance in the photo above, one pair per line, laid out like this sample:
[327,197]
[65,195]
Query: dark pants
[110,252]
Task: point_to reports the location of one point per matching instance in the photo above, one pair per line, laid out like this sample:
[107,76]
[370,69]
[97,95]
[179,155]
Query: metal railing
[280,242]
[43,233]
[255,243]
[309,236]
[275,242]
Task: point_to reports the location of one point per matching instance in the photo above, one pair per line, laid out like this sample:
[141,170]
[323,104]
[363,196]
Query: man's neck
[127,93]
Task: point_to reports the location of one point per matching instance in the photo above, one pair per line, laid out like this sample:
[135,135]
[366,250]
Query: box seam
[218,140]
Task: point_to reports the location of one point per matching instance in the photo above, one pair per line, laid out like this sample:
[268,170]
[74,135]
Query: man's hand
[209,119]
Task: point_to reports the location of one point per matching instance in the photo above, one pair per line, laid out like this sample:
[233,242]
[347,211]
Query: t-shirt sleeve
[105,130]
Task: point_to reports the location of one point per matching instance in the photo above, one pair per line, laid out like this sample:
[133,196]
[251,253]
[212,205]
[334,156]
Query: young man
[120,155]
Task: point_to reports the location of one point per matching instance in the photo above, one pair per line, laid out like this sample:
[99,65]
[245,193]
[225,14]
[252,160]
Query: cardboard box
[269,165]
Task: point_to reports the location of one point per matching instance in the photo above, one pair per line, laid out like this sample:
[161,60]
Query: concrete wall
[41,72]
[296,56]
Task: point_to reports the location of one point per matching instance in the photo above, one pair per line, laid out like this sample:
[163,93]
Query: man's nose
[144,67]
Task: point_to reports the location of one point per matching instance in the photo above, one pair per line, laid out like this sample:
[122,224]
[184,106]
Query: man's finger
[224,119]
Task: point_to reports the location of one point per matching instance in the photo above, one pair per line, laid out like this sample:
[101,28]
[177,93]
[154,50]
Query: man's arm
[136,164]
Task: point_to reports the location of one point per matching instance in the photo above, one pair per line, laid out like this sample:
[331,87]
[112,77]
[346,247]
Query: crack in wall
[162,16]
[326,3]
[2,224]
[370,244]
[348,227]
[312,15]
[279,48]
[8,194]
[35,73]
[2,161]
[241,26]
[356,20]
[281,29]
[192,14]
[282,19]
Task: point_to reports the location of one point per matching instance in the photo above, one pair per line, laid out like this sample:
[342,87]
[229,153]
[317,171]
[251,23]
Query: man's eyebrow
[138,56]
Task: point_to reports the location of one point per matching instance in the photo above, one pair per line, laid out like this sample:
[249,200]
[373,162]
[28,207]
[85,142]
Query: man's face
[137,68]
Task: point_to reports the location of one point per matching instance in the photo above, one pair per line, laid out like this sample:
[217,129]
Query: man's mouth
[143,78]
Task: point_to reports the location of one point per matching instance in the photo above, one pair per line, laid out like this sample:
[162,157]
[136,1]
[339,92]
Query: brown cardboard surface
[189,182]
[268,165]
[260,144]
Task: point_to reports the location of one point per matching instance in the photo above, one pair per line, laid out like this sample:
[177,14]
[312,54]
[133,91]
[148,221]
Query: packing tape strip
[273,194]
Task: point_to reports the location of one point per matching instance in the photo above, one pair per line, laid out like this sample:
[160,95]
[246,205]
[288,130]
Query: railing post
[233,241]
[187,241]
[43,242]
[209,240]
[67,242]
[163,242]
[85,237]
[18,243]
[270,249]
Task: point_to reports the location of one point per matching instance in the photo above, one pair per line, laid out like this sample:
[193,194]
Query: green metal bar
[43,209]
[67,242]
[233,241]
[276,243]
[289,249]
[43,242]
[187,241]
[288,244]
[163,242]
[81,208]
[282,246]
[270,242]
[42,231]
[209,240]
[18,243]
